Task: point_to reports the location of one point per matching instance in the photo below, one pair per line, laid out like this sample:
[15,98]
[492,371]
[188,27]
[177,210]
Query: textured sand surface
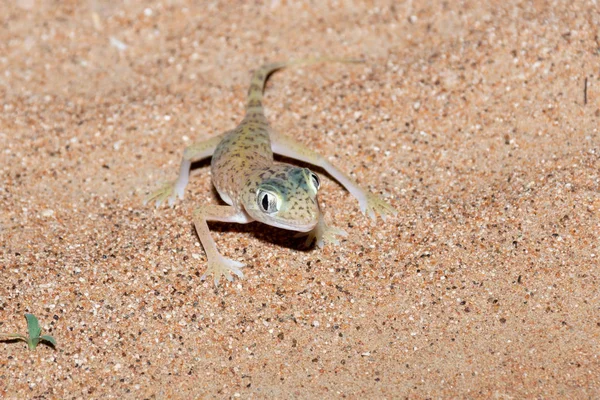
[479,123]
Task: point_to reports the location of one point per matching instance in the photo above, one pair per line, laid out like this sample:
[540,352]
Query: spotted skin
[258,189]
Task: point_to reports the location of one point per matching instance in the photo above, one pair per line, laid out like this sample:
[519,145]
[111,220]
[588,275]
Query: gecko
[255,187]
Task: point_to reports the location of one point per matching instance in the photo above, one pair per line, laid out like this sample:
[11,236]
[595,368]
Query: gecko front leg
[370,204]
[217,264]
[195,152]
[322,233]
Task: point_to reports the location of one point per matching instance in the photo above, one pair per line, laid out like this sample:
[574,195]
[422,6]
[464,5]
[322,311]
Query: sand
[478,122]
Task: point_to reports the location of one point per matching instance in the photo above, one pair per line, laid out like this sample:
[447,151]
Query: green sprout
[34,329]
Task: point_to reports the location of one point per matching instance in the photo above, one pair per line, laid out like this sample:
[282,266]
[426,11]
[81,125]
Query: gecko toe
[239,273]
[371,214]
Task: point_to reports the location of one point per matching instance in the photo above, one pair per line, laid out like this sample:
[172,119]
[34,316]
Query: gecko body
[258,189]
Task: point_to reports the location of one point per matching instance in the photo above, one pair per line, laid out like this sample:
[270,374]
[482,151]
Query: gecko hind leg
[217,264]
[169,191]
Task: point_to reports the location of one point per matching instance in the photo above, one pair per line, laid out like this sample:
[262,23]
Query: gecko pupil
[265,202]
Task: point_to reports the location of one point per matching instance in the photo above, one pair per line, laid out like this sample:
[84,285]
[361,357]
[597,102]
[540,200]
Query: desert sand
[478,121]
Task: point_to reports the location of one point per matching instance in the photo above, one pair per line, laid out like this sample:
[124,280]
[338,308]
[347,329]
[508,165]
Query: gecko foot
[323,234]
[375,205]
[168,191]
[223,266]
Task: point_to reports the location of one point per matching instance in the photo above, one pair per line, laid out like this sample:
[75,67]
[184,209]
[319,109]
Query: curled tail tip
[271,67]
[359,60]
[353,60]
[343,60]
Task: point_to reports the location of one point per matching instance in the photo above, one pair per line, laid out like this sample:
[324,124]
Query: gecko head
[284,196]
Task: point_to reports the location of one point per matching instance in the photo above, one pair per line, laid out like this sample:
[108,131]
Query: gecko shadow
[280,237]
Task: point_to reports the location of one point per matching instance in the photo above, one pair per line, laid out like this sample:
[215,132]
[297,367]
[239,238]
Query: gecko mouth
[294,226]
[306,228]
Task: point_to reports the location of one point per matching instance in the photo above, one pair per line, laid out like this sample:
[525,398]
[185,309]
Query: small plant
[34,330]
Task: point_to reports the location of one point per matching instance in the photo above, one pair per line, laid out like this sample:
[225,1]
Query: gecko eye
[315,180]
[267,202]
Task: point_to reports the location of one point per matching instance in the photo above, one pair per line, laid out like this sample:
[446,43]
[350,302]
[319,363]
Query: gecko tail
[260,76]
